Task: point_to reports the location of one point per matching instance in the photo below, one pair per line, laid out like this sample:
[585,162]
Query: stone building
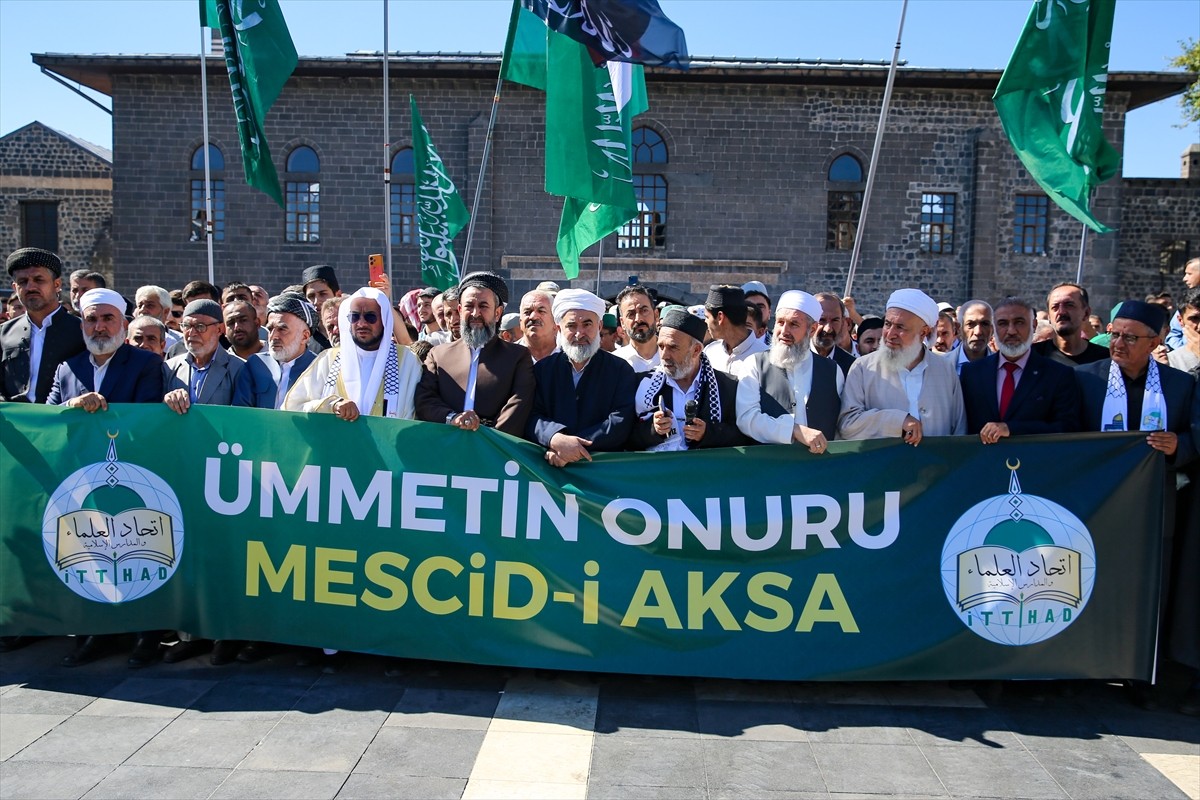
[746,169]
[56,192]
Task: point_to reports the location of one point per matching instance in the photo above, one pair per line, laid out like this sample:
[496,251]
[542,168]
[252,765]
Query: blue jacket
[599,409]
[133,376]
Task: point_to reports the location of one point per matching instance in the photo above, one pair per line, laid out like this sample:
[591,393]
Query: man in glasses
[478,379]
[367,373]
[205,373]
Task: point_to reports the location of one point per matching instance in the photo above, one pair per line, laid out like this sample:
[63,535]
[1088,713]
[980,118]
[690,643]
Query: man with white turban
[367,373]
[584,397]
[786,395]
[901,389]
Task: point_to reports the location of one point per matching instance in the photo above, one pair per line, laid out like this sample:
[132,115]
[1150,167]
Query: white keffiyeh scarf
[1115,414]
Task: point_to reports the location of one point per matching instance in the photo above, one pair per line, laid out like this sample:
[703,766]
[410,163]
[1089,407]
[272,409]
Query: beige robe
[875,405]
[309,393]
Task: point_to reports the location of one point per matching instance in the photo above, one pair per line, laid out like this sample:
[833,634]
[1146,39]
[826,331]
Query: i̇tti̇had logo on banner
[1017,568]
[112,531]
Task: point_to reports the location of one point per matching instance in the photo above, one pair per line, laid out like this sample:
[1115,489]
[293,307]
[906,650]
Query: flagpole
[1082,251]
[883,114]
[387,160]
[208,214]
[599,265]
[487,149]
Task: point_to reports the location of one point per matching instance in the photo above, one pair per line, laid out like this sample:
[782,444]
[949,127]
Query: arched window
[649,228]
[845,184]
[198,211]
[303,196]
[404,198]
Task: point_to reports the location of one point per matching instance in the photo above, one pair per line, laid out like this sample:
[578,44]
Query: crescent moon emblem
[1013,467]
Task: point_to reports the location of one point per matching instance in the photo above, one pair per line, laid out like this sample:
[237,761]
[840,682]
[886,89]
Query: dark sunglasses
[370,317]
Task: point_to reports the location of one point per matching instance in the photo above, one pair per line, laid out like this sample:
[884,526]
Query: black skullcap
[204,308]
[678,318]
[486,280]
[1152,315]
[870,323]
[293,303]
[319,272]
[720,297]
[28,257]
[430,292]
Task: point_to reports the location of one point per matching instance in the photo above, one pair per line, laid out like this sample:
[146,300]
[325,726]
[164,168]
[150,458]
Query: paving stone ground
[395,728]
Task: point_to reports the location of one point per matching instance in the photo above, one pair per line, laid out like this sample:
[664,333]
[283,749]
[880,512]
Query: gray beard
[642,335]
[477,337]
[283,355]
[579,353]
[103,345]
[900,359]
[1015,350]
[789,356]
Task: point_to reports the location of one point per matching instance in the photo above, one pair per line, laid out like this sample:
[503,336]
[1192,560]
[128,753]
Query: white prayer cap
[576,300]
[756,287]
[799,301]
[697,311]
[107,297]
[917,302]
[944,306]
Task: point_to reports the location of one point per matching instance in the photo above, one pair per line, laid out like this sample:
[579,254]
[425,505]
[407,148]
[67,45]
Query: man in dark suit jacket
[684,377]
[1015,391]
[828,329]
[206,373]
[584,397]
[479,379]
[45,329]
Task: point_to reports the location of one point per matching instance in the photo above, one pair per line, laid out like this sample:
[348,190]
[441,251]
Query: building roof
[97,71]
[102,153]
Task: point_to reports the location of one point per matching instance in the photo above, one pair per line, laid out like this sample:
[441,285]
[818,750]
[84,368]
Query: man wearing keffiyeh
[684,377]
[367,374]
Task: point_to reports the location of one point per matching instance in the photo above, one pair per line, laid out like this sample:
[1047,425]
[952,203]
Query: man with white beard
[684,403]
[109,371]
[584,398]
[901,389]
[785,395]
[1016,391]
[367,374]
[290,320]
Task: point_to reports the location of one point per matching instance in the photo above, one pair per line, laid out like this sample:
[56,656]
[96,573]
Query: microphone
[689,411]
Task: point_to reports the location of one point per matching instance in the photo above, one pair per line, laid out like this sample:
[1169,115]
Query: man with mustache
[479,379]
[537,321]
[683,378]
[786,395]
[1014,391]
[829,329]
[1067,308]
[109,371]
[640,321]
[584,398]
[367,374]
[35,343]
[975,331]
[903,389]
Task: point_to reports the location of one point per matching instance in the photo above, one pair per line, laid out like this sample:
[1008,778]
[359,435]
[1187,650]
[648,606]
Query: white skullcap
[799,301]
[917,302]
[944,306]
[107,297]
[576,300]
[756,287]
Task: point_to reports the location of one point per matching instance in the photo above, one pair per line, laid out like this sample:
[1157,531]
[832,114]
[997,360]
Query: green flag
[208,14]
[440,211]
[588,116]
[259,56]
[1051,101]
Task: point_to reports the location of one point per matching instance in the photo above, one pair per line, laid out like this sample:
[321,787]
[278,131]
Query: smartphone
[375,266]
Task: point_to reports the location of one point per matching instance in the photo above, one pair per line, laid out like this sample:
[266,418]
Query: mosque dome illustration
[1017,568]
[113,530]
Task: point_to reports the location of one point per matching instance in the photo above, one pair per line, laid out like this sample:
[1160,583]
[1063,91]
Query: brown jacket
[504,385]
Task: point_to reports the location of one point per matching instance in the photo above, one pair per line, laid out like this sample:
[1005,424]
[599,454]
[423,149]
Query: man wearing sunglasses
[478,379]
[367,373]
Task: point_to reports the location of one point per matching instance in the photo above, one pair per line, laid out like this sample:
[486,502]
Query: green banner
[1034,558]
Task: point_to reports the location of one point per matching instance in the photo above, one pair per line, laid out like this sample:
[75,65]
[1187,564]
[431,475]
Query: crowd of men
[578,376]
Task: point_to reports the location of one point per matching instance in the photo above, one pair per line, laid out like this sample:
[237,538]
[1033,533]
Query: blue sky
[937,33]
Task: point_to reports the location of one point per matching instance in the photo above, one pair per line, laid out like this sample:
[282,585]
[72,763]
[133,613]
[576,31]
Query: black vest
[824,404]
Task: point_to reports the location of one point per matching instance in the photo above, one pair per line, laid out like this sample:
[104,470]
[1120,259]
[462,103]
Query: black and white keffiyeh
[391,380]
[707,388]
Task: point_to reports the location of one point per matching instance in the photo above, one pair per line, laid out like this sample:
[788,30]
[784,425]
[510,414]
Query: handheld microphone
[689,411]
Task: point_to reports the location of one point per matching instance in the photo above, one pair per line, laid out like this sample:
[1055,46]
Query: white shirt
[638,363]
[778,430]
[37,342]
[679,400]
[734,362]
[913,380]
[99,370]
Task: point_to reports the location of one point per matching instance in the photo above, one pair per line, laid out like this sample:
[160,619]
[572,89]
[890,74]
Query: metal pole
[883,114]
[387,156]
[1082,251]
[208,213]
[599,265]
[487,149]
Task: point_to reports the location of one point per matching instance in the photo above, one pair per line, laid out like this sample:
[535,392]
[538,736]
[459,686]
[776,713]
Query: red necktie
[1010,386]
